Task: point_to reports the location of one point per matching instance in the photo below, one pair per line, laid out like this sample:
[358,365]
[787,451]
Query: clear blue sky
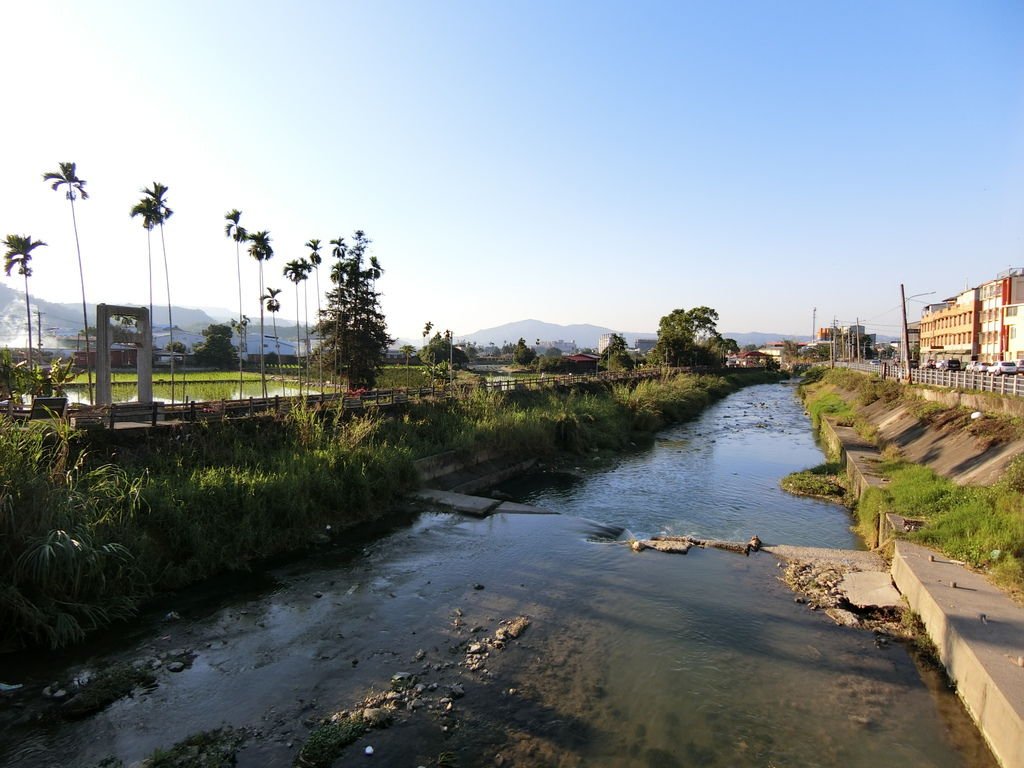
[565,161]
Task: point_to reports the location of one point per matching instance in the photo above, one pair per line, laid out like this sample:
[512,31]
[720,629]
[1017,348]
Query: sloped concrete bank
[977,629]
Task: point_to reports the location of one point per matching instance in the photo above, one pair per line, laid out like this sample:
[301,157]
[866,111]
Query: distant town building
[565,347]
[979,323]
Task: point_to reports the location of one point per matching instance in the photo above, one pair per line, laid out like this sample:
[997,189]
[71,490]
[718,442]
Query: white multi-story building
[996,295]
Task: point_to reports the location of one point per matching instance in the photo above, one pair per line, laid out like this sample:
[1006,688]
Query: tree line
[351,327]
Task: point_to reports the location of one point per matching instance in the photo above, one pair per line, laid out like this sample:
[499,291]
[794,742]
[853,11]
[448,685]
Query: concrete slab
[513,507]
[979,633]
[477,506]
[870,589]
[851,559]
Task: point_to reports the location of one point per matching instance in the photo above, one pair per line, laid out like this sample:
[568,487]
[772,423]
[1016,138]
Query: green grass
[161,375]
[983,526]
[826,481]
[327,741]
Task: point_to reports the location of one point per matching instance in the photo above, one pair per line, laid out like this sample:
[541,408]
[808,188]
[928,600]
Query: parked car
[1020,366]
[1003,368]
[978,366]
[951,365]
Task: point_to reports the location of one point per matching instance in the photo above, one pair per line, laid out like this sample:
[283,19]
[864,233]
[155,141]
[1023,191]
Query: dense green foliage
[826,481]
[522,354]
[352,328]
[217,351]
[62,568]
[691,337]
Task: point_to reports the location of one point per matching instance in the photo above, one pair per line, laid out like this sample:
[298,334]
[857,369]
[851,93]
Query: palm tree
[154,211]
[237,232]
[66,176]
[315,260]
[273,307]
[339,251]
[147,210]
[297,270]
[408,350]
[19,253]
[260,249]
[162,213]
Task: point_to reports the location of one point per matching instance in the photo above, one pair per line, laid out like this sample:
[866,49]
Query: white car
[1003,368]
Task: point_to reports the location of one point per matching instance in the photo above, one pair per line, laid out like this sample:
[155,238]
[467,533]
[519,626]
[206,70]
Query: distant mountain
[760,339]
[588,335]
[66,319]
[583,335]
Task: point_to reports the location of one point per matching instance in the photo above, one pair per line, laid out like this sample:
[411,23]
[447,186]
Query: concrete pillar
[144,361]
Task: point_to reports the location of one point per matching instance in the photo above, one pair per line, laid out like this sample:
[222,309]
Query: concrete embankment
[977,629]
[979,633]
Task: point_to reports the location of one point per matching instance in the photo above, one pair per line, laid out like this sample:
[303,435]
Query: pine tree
[352,328]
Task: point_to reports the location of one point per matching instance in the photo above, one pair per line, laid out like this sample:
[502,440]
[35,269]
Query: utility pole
[856,336]
[814,325]
[39,331]
[905,336]
[832,345]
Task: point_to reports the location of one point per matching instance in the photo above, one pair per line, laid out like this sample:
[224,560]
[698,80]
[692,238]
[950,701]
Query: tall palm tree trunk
[170,319]
[85,311]
[238,263]
[277,345]
[263,338]
[319,319]
[149,257]
[28,316]
[298,338]
[305,312]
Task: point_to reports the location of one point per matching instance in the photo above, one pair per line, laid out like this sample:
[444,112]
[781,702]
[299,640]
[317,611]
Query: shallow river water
[631,659]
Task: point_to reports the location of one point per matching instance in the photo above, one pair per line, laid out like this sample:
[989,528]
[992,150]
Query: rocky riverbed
[514,641]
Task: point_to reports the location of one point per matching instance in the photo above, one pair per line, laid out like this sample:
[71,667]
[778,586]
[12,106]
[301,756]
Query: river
[631,659]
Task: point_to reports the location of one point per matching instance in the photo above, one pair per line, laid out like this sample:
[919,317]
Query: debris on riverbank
[209,749]
[680,545]
[822,583]
[823,579]
[431,691]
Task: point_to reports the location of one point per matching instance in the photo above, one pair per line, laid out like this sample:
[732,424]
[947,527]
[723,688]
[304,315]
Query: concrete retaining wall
[979,634]
[441,464]
[979,631]
[976,401]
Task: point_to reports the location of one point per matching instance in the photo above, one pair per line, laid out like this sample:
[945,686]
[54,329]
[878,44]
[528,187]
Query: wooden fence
[127,415]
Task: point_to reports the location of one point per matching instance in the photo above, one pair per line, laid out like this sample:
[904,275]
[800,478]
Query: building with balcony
[995,296]
[951,328]
[977,324]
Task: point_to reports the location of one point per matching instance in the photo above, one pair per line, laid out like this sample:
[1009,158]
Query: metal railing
[1000,384]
